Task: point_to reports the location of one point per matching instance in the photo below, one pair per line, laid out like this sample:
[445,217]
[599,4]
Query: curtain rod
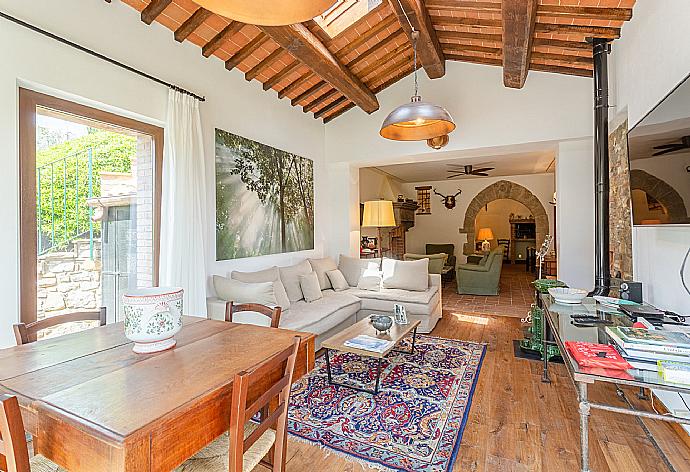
[98,55]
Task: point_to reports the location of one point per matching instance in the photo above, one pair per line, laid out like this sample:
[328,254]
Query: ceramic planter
[152,317]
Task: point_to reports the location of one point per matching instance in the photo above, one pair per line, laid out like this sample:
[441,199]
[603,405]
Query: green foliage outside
[64,184]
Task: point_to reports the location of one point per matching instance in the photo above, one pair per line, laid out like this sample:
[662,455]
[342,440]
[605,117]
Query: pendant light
[418,120]
[267,12]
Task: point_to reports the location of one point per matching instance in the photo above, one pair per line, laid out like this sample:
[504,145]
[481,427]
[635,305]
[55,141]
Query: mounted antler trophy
[448,200]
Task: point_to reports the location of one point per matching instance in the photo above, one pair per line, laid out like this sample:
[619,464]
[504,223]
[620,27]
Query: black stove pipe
[602,275]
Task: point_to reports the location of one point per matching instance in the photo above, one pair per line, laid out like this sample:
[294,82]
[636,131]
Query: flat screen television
[659,156]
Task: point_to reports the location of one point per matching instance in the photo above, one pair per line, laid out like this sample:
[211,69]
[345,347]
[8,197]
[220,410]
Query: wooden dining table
[93,405]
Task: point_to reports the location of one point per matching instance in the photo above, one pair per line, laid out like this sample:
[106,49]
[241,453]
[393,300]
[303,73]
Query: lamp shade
[379,214]
[417,121]
[485,234]
[267,12]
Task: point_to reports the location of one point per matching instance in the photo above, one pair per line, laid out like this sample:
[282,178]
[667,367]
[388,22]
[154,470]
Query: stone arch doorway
[661,192]
[504,189]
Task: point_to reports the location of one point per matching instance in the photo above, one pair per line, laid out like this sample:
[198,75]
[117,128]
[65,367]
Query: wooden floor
[517,423]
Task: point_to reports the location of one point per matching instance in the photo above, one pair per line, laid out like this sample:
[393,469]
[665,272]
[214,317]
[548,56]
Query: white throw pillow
[311,289]
[267,275]
[241,292]
[353,268]
[290,278]
[406,275]
[370,280]
[321,266]
[337,280]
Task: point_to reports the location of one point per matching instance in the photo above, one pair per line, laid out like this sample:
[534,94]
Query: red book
[597,355]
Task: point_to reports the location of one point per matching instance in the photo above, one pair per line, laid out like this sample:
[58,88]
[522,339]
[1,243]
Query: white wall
[650,59]
[575,213]
[443,225]
[29,59]
[551,107]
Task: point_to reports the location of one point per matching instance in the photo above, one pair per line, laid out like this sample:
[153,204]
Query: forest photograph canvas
[264,199]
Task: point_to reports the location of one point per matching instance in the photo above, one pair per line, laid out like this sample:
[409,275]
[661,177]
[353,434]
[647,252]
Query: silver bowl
[381,323]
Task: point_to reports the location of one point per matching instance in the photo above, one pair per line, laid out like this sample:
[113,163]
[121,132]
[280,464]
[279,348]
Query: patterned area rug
[416,421]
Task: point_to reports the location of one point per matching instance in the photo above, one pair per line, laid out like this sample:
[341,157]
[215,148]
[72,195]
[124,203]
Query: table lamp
[378,214]
[487,235]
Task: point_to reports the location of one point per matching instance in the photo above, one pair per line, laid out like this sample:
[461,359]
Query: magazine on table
[657,341]
[368,343]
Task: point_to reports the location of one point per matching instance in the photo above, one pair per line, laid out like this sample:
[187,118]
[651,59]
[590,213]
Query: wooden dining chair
[14,451]
[272,313]
[248,441]
[26,333]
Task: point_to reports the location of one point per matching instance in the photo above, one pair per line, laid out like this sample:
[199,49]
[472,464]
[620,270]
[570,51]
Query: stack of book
[643,348]
[368,343]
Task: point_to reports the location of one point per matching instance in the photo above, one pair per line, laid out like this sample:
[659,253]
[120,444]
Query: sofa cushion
[309,284]
[323,314]
[337,280]
[267,275]
[353,267]
[416,303]
[321,266]
[290,278]
[406,275]
[241,292]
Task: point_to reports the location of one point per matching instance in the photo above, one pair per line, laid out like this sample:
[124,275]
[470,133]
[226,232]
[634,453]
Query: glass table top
[563,329]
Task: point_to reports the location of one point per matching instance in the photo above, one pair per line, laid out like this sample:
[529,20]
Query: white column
[343,208]
[575,213]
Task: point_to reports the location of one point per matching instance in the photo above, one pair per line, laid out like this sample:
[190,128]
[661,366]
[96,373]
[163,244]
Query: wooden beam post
[191,24]
[519,18]
[429,49]
[153,9]
[308,49]
[217,41]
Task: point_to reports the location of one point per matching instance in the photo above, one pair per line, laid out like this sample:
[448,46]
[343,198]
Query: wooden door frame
[29,100]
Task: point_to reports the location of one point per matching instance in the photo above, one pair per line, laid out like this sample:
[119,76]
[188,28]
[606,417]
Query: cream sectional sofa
[336,310]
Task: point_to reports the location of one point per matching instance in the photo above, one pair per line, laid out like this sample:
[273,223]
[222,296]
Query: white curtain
[183,206]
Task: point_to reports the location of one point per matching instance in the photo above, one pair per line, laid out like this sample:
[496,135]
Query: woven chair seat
[39,463]
[215,456]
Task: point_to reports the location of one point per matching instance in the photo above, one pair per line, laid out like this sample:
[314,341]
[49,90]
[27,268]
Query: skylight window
[343,14]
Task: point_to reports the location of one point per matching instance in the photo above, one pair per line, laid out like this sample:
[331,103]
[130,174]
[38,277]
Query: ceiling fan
[673,147]
[456,170]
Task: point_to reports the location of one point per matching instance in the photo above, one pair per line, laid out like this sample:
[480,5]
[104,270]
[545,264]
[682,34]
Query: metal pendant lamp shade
[417,121]
[267,12]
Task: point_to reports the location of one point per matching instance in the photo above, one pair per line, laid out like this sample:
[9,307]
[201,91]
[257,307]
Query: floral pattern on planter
[153,317]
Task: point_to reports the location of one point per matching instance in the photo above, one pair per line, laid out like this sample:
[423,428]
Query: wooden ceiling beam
[226,33]
[519,18]
[191,24]
[306,47]
[388,21]
[267,61]
[467,35]
[318,100]
[296,84]
[595,13]
[287,70]
[455,48]
[331,106]
[566,58]
[246,51]
[153,9]
[402,49]
[492,61]
[390,67]
[335,115]
[585,30]
[557,43]
[310,91]
[374,49]
[429,49]
[561,69]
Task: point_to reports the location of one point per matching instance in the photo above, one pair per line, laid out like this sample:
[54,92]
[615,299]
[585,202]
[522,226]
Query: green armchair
[436,261]
[482,278]
[448,249]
